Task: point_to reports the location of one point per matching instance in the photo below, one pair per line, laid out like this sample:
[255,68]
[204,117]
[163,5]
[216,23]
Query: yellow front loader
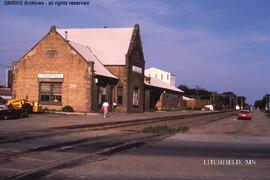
[20,107]
[25,106]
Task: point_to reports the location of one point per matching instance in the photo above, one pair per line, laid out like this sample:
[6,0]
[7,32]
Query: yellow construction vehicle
[18,108]
[20,104]
[36,108]
[30,107]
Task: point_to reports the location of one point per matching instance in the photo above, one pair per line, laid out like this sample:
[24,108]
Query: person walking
[105,108]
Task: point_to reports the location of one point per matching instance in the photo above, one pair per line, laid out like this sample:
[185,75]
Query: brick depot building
[82,68]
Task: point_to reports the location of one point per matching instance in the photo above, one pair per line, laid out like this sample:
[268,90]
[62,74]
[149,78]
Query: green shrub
[67,109]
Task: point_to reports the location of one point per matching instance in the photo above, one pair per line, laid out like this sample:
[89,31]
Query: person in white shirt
[105,108]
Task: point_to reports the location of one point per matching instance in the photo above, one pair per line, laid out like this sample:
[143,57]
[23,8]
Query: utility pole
[242,102]
[268,104]
[230,101]
[197,92]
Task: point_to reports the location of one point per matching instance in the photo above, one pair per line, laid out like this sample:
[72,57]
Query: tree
[226,99]
[185,89]
[263,103]
[195,92]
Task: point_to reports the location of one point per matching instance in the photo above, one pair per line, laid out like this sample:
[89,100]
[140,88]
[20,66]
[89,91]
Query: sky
[219,45]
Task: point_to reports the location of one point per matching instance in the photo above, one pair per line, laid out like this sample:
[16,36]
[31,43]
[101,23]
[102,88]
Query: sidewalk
[45,121]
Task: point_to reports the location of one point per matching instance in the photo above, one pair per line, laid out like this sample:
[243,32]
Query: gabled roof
[88,55]
[160,84]
[110,45]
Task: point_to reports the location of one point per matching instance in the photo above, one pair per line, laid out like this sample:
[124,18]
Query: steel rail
[96,126]
[70,145]
[6,156]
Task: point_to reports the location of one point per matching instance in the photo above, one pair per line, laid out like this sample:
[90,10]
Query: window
[45,89]
[167,76]
[51,53]
[57,92]
[136,97]
[161,76]
[50,92]
[119,95]
[156,75]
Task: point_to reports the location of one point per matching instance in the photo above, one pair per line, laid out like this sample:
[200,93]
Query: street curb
[71,113]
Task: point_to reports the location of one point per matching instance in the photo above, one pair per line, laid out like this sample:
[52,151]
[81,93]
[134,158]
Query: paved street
[198,154]
[258,126]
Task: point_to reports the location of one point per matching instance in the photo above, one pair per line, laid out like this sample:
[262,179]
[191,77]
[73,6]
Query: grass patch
[164,129]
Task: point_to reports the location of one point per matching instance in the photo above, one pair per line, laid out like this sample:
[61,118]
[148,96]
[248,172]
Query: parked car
[244,114]
[2,101]
[3,108]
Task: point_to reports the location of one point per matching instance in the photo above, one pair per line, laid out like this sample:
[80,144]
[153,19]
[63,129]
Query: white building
[162,75]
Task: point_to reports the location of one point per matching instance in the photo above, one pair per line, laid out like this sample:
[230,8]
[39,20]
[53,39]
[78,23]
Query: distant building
[162,75]
[5,93]
[161,96]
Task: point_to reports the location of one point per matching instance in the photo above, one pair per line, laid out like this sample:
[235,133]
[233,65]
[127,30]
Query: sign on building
[137,69]
[54,76]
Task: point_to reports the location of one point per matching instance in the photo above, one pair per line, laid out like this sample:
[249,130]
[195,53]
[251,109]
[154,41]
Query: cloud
[196,53]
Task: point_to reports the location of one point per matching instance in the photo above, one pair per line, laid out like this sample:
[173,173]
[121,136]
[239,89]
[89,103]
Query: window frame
[136,97]
[51,94]
[120,95]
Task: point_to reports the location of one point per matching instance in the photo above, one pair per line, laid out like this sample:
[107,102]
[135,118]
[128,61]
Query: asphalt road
[225,149]
[258,126]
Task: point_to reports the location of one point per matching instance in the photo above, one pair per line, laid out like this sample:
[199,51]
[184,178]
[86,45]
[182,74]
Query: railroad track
[102,146]
[73,129]
[80,128]
[120,143]
[16,137]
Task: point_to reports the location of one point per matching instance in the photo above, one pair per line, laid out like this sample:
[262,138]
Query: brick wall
[78,74]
